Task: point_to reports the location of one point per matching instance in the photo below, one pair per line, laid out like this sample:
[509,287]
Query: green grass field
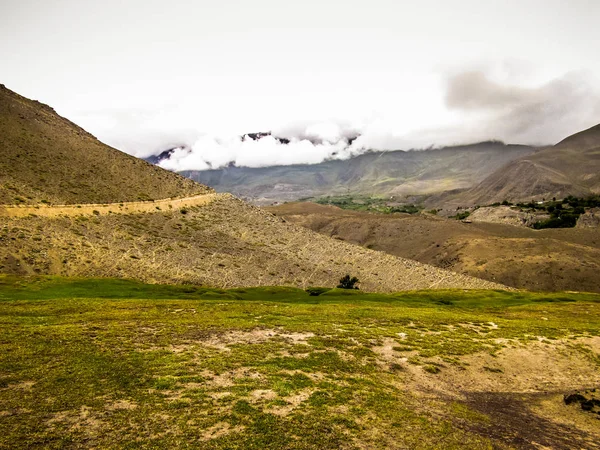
[103,363]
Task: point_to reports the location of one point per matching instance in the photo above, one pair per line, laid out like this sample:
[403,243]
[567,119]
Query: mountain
[198,237]
[393,173]
[571,167]
[47,158]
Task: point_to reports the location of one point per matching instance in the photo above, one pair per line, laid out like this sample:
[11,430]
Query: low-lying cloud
[476,108]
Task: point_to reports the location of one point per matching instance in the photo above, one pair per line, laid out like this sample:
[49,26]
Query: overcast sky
[146,75]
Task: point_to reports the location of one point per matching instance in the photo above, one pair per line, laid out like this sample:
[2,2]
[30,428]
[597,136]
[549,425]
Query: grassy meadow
[110,363]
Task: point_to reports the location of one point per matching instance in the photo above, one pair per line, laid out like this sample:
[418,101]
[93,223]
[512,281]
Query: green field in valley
[106,363]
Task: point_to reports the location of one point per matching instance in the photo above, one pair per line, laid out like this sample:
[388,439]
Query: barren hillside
[224,243]
[547,260]
[571,167]
[46,158]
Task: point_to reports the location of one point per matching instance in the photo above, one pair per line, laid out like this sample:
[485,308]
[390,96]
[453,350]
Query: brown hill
[571,167]
[548,260]
[47,158]
[225,243]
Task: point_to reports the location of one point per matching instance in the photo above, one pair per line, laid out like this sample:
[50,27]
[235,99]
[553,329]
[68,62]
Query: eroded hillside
[48,159]
[548,260]
[225,243]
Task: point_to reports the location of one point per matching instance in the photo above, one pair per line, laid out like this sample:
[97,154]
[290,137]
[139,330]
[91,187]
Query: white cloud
[473,106]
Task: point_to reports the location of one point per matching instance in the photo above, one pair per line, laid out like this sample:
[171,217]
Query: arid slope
[571,167]
[46,158]
[225,243]
[548,260]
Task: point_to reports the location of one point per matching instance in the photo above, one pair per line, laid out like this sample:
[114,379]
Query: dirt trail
[108,208]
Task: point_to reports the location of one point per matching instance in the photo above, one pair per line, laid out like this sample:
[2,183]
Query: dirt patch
[259,395]
[122,405]
[83,420]
[532,368]
[255,336]
[24,385]
[220,429]
[227,379]
[293,401]
[515,423]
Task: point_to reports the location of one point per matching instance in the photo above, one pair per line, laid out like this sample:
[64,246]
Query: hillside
[546,260]
[571,167]
[199,238]
[393,173]
[224,242]
[46,158]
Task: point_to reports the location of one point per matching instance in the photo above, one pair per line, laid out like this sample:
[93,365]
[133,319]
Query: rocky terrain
[547,260]
[48,159]
[222,242]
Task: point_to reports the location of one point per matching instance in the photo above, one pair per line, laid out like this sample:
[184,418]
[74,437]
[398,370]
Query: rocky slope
[46,158]
[225,243]
[547,260]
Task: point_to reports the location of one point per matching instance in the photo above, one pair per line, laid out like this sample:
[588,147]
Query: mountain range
[392,173]
[571,167]
[449,177]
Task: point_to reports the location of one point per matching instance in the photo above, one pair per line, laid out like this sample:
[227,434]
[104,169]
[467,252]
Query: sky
[145,75]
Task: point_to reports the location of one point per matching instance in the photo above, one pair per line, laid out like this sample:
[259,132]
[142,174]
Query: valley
[540,260]
[141,309]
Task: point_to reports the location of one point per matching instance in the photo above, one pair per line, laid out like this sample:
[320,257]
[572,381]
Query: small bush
[431,368]
[462,215]
[347,282]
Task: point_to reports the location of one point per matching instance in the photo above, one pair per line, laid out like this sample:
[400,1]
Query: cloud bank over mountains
[475,107]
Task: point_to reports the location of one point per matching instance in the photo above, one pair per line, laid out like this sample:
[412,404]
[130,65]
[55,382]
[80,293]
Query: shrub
[462,215]
[347,282]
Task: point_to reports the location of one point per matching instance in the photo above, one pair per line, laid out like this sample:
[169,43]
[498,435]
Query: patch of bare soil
[293,401]
[520,420]
[84,420]
[255,336]
[536,367]
[220,429]
[521,389]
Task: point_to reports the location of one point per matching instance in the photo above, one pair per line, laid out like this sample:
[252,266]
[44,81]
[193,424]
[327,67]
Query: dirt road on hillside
[108,208]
